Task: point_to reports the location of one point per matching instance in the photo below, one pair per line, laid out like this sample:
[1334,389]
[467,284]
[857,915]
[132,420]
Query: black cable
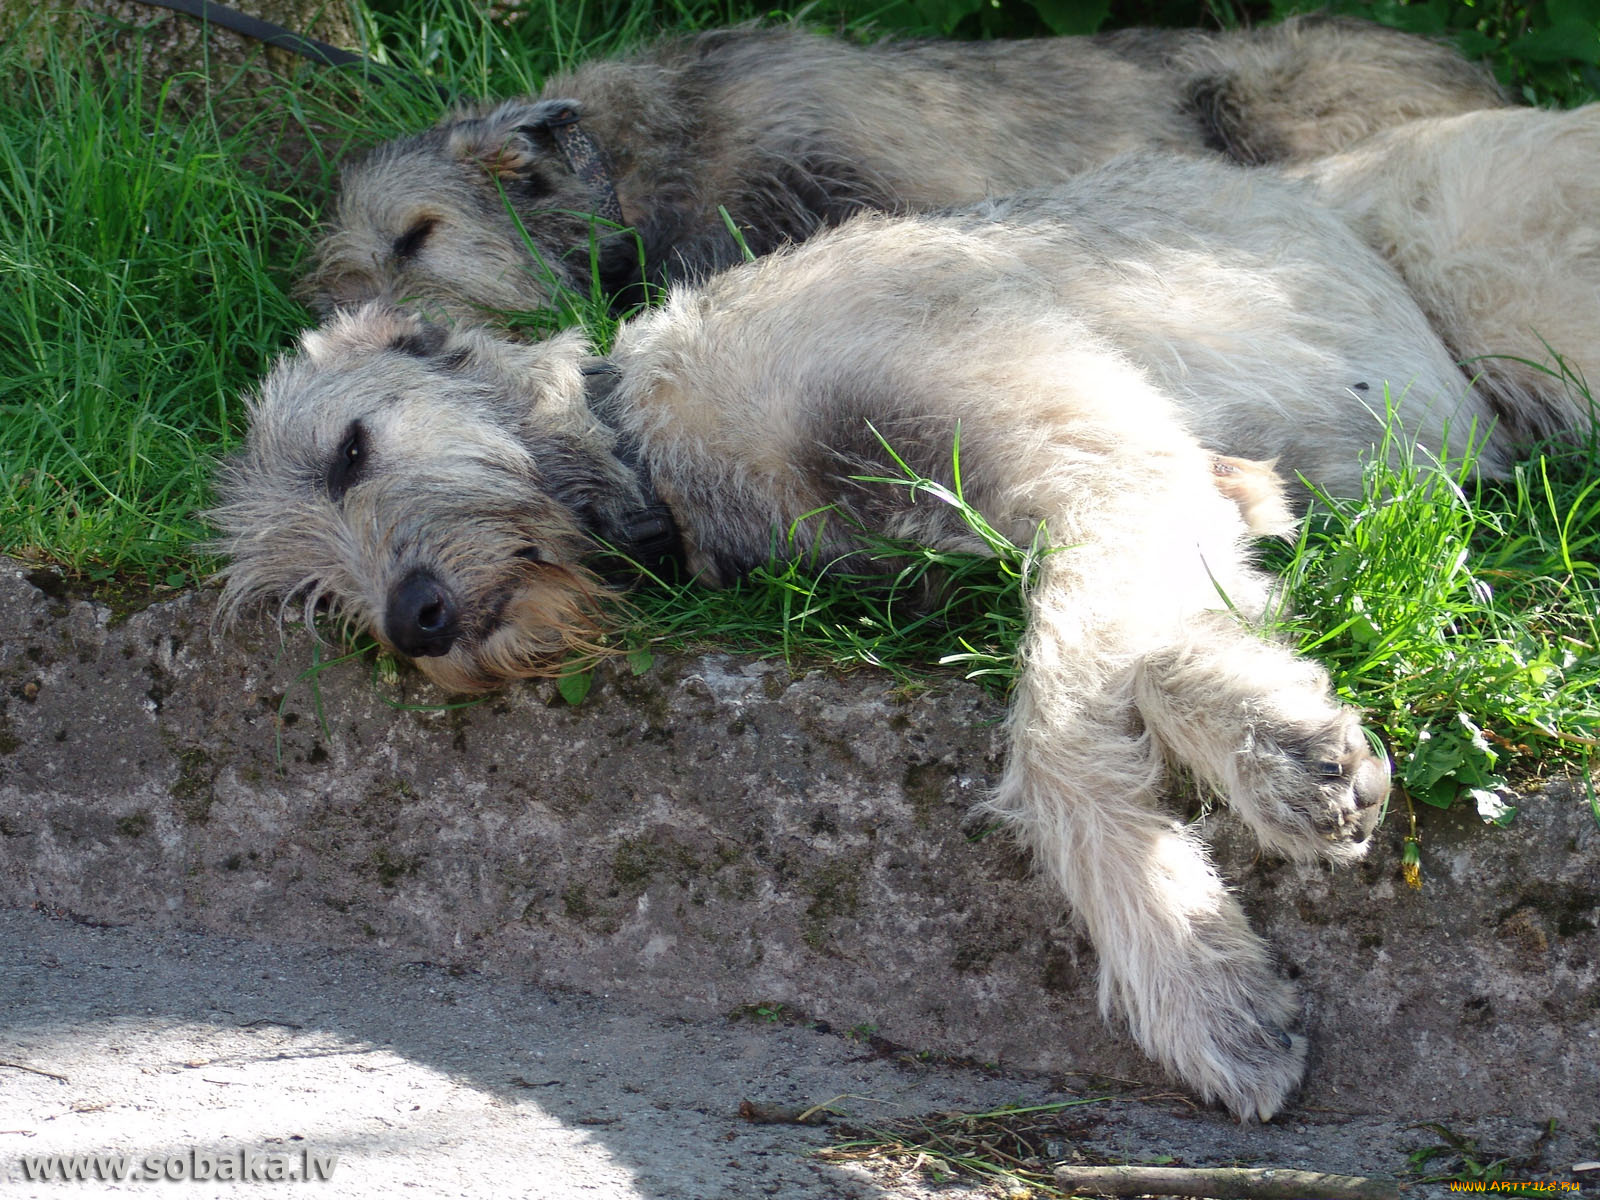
[283,39]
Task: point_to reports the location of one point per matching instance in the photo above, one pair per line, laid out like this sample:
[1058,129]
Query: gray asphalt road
[115,1040]
[449,1085]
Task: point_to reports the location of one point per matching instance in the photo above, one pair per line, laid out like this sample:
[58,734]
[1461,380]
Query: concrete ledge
[718,833]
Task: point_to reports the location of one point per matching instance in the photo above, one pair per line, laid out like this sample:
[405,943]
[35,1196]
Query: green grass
[1463,616]
[138,305]
[150,233]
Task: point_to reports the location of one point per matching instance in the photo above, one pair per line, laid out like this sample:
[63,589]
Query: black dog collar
[647,540]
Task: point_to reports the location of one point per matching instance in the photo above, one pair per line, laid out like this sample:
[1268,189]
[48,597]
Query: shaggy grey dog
[494,209]
[1092,351]
[1493,220]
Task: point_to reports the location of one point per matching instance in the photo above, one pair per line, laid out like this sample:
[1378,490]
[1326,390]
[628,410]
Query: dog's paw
[1248,1061]
[1224,1025]
[1263,728]
[1310,792]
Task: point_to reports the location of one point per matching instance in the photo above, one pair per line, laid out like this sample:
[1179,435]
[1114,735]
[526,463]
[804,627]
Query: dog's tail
[1313,85]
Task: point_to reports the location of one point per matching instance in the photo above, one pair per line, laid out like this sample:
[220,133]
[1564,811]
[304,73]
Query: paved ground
[448,1084]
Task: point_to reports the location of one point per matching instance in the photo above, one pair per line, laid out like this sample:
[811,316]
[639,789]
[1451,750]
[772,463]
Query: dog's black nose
[421,620]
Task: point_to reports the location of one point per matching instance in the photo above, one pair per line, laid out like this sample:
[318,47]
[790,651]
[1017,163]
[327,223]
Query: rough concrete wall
[718,832]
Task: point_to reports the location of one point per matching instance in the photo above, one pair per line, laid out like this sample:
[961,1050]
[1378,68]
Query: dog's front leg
[1199,989]
[1177,957]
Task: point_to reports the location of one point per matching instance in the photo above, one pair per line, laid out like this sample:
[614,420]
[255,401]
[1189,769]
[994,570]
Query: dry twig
[786,1114]
[1224,1183]
[16,1066]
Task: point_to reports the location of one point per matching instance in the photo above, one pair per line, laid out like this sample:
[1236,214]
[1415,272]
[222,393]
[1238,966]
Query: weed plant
[1461,615]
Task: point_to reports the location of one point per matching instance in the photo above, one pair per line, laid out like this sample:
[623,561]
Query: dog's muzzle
[421,618]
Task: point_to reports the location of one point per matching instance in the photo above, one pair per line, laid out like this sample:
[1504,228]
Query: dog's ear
[543,114]
[425,339]
[354,332]
[510,137]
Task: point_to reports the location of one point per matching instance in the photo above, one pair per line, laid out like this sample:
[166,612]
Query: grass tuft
[139,305]
[1013,1147]
[1464,616]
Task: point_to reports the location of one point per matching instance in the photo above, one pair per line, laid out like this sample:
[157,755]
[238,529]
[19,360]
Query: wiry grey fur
[792,131]
[1493,220]
[1095,349]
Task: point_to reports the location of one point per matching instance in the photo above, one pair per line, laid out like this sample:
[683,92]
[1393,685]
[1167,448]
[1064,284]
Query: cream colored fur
[1493,219]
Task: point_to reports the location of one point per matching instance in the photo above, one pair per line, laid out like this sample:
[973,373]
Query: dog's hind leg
[1491,219]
